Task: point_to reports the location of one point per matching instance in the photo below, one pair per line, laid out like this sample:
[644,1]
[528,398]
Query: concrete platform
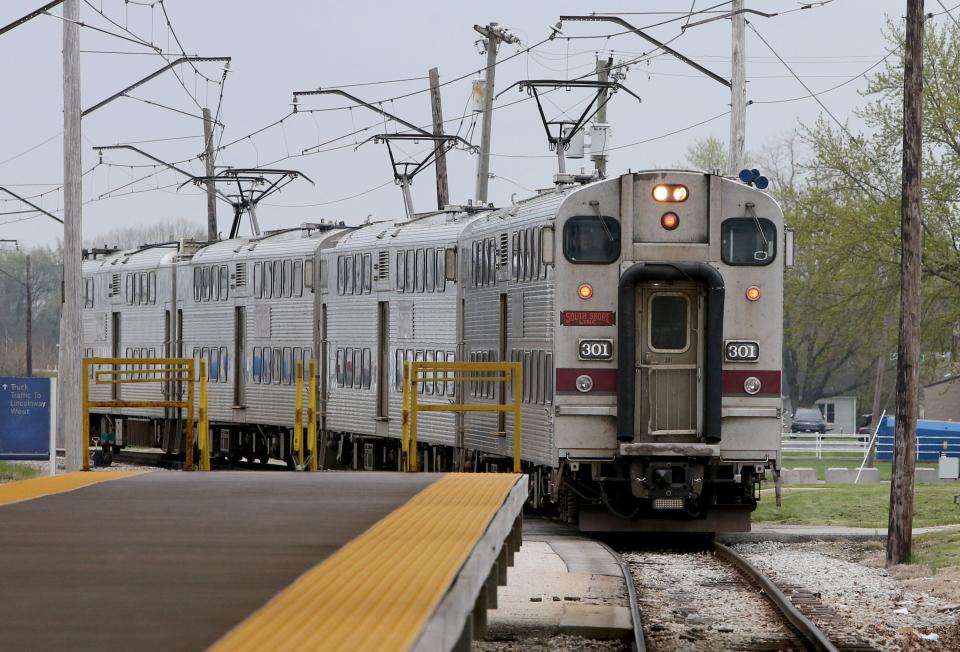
[175,561]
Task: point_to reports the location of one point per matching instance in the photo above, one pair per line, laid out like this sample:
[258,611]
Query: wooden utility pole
[738,88]
[29,289]
[443,191]
[212,233]
[493,35]
[900,530]
[68,370]
[603,76]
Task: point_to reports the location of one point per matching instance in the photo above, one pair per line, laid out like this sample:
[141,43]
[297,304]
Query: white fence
[815,445]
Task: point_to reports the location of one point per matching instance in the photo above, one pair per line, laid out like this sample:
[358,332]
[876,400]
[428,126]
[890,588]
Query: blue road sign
[24,418]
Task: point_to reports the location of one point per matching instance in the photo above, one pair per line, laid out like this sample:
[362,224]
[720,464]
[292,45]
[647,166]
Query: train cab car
[669,293]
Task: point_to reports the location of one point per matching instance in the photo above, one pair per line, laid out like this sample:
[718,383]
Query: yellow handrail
[312,415]
[412,377]
[174,370]
[298,418]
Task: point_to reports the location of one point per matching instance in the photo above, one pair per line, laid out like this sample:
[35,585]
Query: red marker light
[585,291]
[753,293]
[670,221]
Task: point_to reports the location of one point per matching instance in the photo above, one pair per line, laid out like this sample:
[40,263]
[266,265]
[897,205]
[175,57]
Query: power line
[333,201]
[947,11]
[27,151]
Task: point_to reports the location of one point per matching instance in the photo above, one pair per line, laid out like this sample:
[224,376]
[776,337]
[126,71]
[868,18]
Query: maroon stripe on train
[604,380]
[733,382]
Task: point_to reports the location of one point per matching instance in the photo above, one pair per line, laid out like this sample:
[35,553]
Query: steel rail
[812,637]
[639,645]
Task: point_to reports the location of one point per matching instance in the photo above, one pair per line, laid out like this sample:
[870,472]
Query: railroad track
[165,461]
[714,599]
[637,644]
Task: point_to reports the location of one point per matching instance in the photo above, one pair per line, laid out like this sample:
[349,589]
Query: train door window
[440,376]
[213,364]
[205,356]
[339,368]
[591,239]
[277,363]
[536,387]
[348,367]
[525,255]
[441,271]
[400,271]
[224,364]
[196,284]
[548,365]
[748,241]
[277,279]
[667,322]
[287,278]
[205,281]
[341,281]
[224,282]
[286,361]
[366,365]
[298,278]
[515,256]
[257,362]
[258,280]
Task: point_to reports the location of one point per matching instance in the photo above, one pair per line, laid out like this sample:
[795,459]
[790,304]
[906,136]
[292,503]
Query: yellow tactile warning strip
[15,492]
[379,590]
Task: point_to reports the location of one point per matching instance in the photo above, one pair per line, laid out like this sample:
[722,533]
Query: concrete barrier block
[800,475]
[923,475]
[849,476]
[867,476]
[839,475]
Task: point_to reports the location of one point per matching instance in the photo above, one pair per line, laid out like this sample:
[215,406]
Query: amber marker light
[753,293]
[670,221]
[585,291]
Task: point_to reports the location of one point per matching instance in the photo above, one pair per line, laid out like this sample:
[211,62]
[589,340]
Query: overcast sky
[287,45]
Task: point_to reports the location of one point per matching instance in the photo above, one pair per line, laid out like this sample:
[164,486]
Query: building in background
[941,400]
[840,413]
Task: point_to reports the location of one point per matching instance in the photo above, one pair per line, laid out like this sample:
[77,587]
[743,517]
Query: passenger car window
[591,239]
[748,241]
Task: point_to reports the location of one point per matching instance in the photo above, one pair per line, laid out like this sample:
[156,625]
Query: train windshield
[748,241]
[591,239]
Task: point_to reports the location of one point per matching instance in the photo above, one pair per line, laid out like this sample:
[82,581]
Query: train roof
[143,257]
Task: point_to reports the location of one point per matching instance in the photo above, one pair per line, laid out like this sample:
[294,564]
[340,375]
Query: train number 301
[596,349]
[741,350]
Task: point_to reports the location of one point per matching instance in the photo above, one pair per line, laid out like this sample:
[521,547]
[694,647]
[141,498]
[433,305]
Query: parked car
[865,427]
[808,420]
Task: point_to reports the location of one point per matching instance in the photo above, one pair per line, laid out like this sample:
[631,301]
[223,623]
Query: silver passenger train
[646,311]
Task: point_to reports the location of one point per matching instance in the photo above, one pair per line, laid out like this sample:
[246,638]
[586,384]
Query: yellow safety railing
[174,370]
[451,373]
[310,449]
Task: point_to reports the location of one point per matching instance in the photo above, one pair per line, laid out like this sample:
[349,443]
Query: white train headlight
[751,385]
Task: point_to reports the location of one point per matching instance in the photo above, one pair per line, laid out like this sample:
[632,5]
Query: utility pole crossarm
[663,46]
[33,14]
[172,64]
[190,177]
[357,100]
[30,204]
